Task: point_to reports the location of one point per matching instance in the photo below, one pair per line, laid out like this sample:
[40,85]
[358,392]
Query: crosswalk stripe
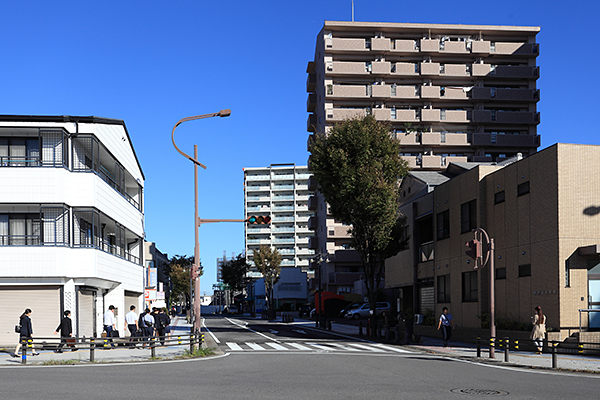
[276,346]
[234,346]
[299,346]
[397,350]
[368,348]
[255,346]
[343,347]
[318,346]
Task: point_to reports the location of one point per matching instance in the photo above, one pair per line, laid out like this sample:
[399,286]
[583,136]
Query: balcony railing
[19,161]
[20,240]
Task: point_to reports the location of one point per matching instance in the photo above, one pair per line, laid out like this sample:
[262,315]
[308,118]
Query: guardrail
[554,347]
[102,343]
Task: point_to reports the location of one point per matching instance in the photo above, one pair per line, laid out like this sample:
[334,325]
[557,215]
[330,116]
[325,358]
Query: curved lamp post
[194,272]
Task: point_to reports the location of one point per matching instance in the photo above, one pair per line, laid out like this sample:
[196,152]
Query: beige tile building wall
[543,228]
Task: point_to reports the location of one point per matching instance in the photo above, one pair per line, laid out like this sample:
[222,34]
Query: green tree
[233,273]
[178,270]
[268,262]
[358,167]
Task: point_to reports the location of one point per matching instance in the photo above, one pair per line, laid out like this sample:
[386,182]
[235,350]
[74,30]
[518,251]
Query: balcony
[311,123]
[312,203]
[481,69]
[456,139]
[311,82]
[434,162]
[406,116]
[430,69]
[430,46]
[312,184]
[313,223]
[345,44]
[456,70]
[485,139]
[351,91]
[456,116]
[404,68]
[407,138]
[381,91]
[346,256]
[480,47]
[430,92]
[348,67]
[509,48]
[455,47]
[412,162]
[340,114]
[430,138]
[447,160]
[382,114]
[405,92]
[405,46]
[430,115]
[506,117]
[502,94]
[516,71]
[380,44]
[381,67]
[453,93]
[311,102]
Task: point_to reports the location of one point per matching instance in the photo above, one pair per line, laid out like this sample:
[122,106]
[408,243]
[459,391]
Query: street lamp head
[225,113]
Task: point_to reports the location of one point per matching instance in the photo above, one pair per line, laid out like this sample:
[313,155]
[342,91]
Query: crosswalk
[348,347]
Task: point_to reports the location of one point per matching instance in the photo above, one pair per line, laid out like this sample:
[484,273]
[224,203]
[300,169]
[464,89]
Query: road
[331,367]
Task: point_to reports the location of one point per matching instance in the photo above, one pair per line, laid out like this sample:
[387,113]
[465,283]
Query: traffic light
[474,249]
[258,220]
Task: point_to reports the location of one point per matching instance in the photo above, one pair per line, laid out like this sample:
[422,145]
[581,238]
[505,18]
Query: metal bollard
[202,344]
[554,355]
[580,345]
[478,346]
[24,351]
[178,339]
[492,347]
[506,345]
[92,346]
[153,347]
[516,345]
[191,343]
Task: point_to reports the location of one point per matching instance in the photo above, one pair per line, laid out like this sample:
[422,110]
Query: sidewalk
[118,354]
[469,351]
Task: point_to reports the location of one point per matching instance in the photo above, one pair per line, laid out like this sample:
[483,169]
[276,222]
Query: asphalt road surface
[331,367]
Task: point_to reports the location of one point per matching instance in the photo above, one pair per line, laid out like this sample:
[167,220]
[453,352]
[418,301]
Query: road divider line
[251,330]
[210,333]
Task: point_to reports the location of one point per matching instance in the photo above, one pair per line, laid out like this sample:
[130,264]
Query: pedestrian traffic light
[258,220]
[474,249]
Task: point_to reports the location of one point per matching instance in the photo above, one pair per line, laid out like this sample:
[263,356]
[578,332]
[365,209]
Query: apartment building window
[468,216]
[499,197]
[442,115]
[443,289]
[368,66]
[442,91]
[492,47]
[493,115]
[443,225]
[345,289]
[567,273]
[523,188]
[443,137]
[524,270]
[417,68]
[442,68]
[367,43]
[500,273]
[494,137]
[469,286]
[19,152]
[393,90]
[329,89]
[393,113]
[20,230]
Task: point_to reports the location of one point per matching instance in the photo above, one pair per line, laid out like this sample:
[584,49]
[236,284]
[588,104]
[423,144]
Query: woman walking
[26,333]
[539,329]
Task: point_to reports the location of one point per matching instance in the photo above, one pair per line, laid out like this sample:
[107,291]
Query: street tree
[233,273]
[358,167]
[268,262]
[178,270]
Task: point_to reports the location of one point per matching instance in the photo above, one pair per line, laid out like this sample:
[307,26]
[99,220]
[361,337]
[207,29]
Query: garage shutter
[132,298]
[86,313]
[426,299]
[44,302]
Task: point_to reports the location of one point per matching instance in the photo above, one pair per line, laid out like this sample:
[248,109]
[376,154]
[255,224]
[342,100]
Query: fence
[92,344]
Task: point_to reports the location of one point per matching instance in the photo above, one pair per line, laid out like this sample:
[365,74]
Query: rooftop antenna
[352,10]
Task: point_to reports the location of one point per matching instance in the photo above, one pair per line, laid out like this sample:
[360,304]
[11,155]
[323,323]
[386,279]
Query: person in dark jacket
[66,330]
[26,332]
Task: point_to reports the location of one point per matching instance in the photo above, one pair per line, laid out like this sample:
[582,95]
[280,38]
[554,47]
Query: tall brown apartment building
[451,93]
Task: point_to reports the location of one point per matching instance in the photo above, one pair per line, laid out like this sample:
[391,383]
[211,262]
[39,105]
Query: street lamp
[195,271]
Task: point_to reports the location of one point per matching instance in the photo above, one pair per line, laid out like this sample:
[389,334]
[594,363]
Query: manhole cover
[480,392]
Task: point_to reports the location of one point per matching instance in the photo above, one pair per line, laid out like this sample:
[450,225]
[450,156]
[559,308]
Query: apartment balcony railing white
[283,187]
[257,177]
[286,177]
[283,208]
[284,240]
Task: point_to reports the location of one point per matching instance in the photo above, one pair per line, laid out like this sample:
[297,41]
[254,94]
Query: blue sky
[152,63]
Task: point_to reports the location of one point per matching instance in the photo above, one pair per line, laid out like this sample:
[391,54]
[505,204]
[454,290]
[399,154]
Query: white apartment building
[71,222]
[281,192]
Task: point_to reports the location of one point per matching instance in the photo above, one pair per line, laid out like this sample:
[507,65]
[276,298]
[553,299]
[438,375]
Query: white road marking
[255,346]
[211,334]
[368,348]
[234,346]
[276,346]
[390,348]
[299,346]
[251,330]
[318,346]
[343,347]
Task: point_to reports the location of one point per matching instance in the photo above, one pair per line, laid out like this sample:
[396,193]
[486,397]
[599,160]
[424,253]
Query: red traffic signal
[258,219]
[474,249]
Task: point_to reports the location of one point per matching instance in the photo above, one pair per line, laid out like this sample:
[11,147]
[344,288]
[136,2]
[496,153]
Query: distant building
[451,93]
[156,279]
[280,192]
[71,222]
[543,213]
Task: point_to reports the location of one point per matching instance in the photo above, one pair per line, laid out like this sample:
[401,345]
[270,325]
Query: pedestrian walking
[131,324]
[66,330]
[167,320]
[539,329]
[446,323]
[25,333]
[109,324]
[149,325]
